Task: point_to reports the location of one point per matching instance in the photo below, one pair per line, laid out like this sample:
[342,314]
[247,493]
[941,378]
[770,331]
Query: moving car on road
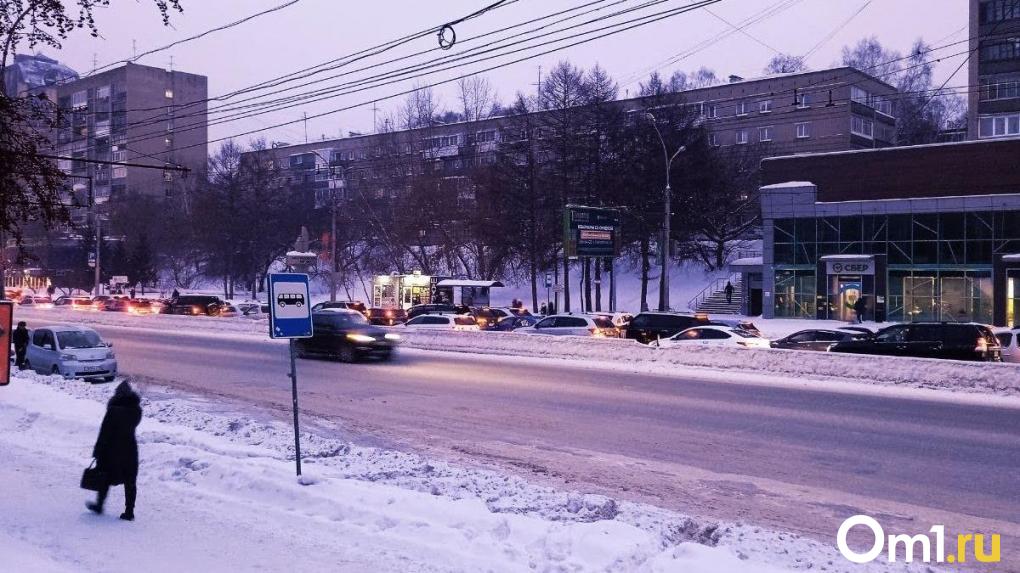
[953,340]
[647,327]
[194,304]
[71,352]
[573,325]
[33,301]
[346,335]
[386,316]
[1010,342]
[816,339]
[461,322]
[714,336]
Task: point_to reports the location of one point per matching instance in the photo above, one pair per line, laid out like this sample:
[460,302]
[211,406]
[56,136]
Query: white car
[573,325]
[71,352]
[461,322]
[1010,341]
[714,336]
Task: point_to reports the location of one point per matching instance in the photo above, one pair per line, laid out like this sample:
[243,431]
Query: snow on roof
[747,262]
[468,283]
[845,257]
[789,184]
[895,148]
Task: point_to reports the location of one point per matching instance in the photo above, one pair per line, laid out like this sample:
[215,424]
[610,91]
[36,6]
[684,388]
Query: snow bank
[217,493]
[1001,379]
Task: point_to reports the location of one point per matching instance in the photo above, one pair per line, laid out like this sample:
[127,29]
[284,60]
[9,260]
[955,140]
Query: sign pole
[293,391]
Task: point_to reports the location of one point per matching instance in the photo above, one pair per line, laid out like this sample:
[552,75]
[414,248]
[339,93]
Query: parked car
[740,323]
[386,316]
[714,336]
[253,309]
[954,340]
[816,339]
[573,325]
[33,301]
[115,304]
[460,322]
[82,303]
[228,310]
[63,300]
[510,323]
[348,304]
[650,326]
[99,301]
[72,352]
[619,319]
[1009,340]
[420,309]
[141,306]
[194,304]
[346,335]
[488,317]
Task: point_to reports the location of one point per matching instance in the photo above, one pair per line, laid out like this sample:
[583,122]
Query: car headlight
[391,336]
[109,354]
[359,338]
[68,357]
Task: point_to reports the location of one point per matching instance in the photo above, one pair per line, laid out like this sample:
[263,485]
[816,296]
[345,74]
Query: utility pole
[99,235]
[666,216]
[333,270]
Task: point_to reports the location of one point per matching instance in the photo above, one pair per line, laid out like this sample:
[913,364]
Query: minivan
[71,351]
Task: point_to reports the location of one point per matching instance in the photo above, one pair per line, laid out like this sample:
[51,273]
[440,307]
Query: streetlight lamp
[667,196]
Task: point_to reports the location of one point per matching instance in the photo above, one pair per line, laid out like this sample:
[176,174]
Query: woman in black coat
[116,449]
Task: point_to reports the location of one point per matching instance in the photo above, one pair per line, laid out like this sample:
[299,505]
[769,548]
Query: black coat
[20,337]
[116,449]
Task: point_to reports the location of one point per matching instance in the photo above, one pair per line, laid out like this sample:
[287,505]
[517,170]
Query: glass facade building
[912,259]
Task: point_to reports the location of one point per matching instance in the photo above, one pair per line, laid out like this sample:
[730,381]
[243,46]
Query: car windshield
[79,339]
[342,320]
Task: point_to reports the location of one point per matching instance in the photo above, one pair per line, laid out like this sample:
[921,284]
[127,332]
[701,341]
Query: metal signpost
[6,325]
[290,317]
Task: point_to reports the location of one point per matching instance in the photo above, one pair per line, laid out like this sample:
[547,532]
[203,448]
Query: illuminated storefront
[947,251]
[405,291]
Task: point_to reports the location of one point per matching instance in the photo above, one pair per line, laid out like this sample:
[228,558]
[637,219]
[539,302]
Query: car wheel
[55,371]
[347,354]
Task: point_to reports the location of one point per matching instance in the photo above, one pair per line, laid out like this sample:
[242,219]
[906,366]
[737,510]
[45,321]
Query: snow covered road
[710,444]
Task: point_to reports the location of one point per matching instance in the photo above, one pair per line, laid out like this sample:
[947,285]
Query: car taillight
[982,345]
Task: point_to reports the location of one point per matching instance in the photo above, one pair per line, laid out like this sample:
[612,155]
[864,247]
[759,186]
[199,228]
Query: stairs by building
[712,300]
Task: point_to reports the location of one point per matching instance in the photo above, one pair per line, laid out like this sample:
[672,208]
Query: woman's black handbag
[93,479]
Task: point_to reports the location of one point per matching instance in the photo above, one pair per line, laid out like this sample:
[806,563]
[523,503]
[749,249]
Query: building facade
[829,110]
[923,233]
[994,69]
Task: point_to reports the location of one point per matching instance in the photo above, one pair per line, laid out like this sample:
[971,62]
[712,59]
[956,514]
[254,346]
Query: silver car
[72,352]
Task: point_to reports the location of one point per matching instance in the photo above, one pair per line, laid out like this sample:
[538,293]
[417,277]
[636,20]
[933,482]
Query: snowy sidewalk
[217,493]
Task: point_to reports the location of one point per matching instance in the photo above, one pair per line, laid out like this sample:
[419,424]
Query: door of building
[843,293]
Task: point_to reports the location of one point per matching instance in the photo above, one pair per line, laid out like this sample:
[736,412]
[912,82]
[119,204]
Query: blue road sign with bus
[290,309]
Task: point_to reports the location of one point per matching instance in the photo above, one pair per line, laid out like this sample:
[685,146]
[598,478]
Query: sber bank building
[922,233]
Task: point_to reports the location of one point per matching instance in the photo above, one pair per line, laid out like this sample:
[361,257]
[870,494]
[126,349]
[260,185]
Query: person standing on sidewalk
[20,339]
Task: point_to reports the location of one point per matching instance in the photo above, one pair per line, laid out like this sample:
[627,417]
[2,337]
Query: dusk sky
[314,31]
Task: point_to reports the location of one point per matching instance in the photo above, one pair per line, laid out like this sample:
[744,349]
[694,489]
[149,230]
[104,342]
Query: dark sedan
[958,341]
[509,323]
[386,316]
[816,339]
[346,335]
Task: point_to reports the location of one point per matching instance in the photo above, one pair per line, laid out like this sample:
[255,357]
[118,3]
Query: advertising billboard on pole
[591,231]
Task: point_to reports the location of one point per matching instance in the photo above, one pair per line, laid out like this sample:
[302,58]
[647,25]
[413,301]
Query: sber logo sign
[926,547]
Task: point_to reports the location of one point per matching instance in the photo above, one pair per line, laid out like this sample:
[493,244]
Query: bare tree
[870,57]
[477,98]
[785,64]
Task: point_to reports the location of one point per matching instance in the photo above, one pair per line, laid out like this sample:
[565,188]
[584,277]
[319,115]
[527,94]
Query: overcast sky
[314,31]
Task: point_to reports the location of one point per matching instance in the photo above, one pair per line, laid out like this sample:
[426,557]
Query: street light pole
[666,216]
[99,235]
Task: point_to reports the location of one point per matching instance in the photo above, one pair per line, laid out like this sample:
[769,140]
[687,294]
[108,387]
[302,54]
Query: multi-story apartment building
[131,114]
[838,109]
[34,74]
[994,69]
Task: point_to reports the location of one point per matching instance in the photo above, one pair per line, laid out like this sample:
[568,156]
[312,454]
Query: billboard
[591,231]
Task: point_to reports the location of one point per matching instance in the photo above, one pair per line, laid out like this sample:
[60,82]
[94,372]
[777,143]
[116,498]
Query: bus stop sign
[290,314]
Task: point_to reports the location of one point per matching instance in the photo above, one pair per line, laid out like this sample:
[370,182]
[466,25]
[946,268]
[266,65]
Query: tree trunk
[645,265]
[598,285]
[720,254]
[533,267]
[566,281]
[587,284]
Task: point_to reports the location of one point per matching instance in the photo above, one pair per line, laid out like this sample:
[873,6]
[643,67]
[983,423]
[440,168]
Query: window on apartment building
[742,108]
[992,11]
[765,133]
[862,126]
[119,171]
[859,95]
[103,92]
[485,136]
[883,106]
[1000,87]
[713,111]
[740,137]
[169,94]
[79,99]
[1001,50]
[803,130]
[802,100]
[765,106]
[713,139]
[999,125]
